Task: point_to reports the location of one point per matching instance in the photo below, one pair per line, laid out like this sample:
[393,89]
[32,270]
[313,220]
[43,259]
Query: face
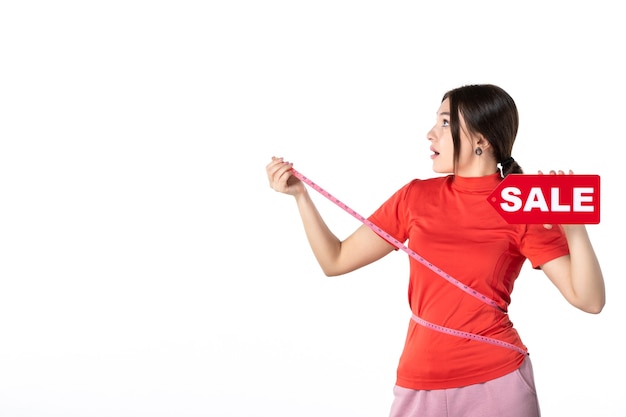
[440,137]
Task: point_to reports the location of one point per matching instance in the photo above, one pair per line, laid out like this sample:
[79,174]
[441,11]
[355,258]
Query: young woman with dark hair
[462,355]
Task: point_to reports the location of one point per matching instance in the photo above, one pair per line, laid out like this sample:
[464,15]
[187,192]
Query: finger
[280,163]
[284,172]
[552,172]
[273,166]
[274,171]
[540,172]
[275,161]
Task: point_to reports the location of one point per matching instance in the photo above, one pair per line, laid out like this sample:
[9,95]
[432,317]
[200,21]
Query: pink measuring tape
[423,261]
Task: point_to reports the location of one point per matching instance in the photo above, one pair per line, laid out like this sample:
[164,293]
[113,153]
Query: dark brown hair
[490,111]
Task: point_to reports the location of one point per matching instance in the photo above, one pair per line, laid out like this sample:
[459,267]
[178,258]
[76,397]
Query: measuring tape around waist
[398,244]
[467,335]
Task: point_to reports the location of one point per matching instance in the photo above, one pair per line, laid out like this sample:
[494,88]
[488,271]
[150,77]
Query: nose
[430,135]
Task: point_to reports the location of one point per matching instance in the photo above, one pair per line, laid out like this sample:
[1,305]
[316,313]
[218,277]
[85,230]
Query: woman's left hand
[553,172]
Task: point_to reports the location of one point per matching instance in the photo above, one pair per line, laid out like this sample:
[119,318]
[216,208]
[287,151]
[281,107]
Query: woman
[462,355]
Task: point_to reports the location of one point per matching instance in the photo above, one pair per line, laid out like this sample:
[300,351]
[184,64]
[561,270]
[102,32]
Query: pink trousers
[512,395]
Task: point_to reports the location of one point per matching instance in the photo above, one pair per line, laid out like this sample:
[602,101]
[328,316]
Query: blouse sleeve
[541,245]
[391,215]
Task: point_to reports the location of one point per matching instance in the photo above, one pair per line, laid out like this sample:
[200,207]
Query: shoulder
[418,187]
[428,183]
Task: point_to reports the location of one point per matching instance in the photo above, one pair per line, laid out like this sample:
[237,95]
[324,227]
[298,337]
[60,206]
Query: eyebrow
[444,113]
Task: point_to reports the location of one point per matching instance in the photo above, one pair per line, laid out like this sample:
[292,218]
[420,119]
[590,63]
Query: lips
[435,153]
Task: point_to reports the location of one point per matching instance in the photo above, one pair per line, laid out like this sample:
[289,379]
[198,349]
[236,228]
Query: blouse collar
[484,183]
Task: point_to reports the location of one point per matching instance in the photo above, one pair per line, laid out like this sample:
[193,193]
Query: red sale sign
[553,199]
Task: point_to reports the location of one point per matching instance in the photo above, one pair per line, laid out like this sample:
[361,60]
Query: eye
[446,123]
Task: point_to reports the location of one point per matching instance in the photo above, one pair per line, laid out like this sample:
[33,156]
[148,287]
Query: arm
[578,275]
[335,257]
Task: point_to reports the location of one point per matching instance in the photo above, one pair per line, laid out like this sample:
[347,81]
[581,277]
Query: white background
[146,267]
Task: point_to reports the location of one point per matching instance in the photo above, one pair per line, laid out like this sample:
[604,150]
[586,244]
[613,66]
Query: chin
[439,170]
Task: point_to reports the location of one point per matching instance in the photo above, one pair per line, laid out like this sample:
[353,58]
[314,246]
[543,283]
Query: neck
[477,171]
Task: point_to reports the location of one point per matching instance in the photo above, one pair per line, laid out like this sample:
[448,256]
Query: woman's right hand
[280,178]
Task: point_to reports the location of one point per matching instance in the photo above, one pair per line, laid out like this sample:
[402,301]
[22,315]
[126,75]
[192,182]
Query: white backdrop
[147,269]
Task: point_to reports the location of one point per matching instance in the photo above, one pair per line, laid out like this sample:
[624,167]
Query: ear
[482,142]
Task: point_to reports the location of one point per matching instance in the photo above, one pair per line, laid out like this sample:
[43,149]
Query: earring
[478,151]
